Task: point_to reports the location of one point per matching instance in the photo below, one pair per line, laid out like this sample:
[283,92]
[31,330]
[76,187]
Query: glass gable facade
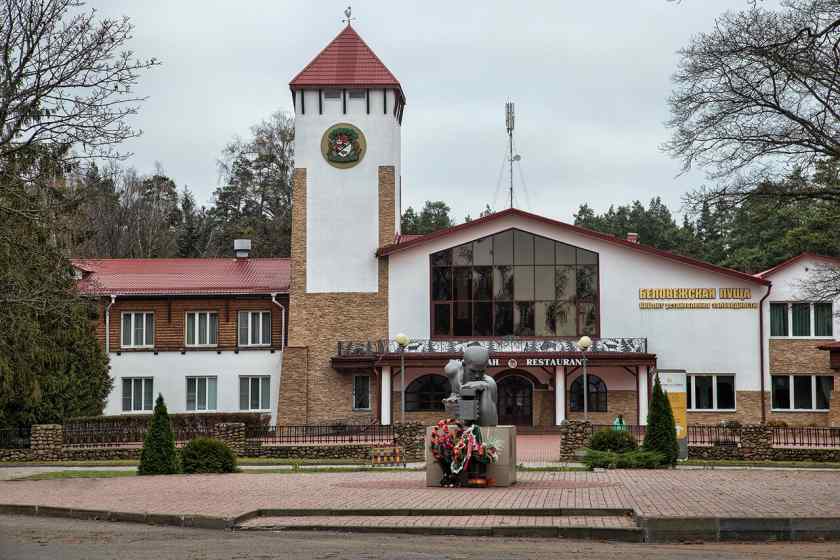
[514,283]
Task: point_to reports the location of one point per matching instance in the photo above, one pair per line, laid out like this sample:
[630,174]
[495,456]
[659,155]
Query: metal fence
[16,438]
[320,434]
[714,435]
[807,437]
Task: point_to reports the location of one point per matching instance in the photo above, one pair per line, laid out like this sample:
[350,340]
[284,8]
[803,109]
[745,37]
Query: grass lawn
[77,474]
[767,464]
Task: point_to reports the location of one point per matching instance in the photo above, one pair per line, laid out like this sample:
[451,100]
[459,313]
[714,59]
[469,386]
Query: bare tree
[823,283]
[66,79]
[759,96]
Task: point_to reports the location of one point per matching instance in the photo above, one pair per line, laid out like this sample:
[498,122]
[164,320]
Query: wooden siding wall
[170,319]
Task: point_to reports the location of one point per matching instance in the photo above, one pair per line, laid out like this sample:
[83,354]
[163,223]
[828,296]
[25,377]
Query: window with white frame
[361,392]
[201,393]
[202,328]
[801,319]
[255,392]
[254,328]
[801,392]
[710,392]
[138,329]
[137,393]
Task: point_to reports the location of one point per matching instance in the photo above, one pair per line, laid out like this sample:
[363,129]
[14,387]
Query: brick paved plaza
[671,493]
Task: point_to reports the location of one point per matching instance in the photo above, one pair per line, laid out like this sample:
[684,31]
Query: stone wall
[757,445]
[47,442]
[798,356]
[574,436]
[232,434]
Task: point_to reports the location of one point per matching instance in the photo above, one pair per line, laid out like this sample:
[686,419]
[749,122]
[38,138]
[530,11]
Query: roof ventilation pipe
[241,248]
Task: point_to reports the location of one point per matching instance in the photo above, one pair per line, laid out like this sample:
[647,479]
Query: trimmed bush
[194,421]
[630,460]
[207,455]
[158,455]
[618,441]
[661,431]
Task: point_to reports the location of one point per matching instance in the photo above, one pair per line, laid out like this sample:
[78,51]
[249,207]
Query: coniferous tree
[661,430]
[159,455]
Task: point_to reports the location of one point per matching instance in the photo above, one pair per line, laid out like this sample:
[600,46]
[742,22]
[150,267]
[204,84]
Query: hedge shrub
[207,455]
[618,441]
[637,459]
[159,455]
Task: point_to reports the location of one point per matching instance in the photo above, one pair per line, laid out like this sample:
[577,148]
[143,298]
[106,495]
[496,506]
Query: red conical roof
[346,62]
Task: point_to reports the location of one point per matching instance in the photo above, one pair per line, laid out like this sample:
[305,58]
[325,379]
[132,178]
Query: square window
[523,318]
[523,248]
[802,392]
[482,283]
[462,320]
[801,319]
[523,282]
[503,248]
[361,392]
[543,251]
[703,392]
[778,319]
[780,386]
[462,255]
[483,252]
[482,318]
[823,318]
[462,285]
[503,282]
[725,387]
[503,319]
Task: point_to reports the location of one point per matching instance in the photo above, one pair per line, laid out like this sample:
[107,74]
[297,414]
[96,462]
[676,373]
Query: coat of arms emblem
[343,145]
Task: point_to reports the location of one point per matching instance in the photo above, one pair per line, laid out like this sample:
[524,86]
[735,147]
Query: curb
[174,520]
[650,529]
[634,535]
[732,529]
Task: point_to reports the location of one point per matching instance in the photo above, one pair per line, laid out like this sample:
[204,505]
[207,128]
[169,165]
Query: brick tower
[348,111]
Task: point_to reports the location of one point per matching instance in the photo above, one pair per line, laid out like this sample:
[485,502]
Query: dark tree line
[124,214]
[751,236]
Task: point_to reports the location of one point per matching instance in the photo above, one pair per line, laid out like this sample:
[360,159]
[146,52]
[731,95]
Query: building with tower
[742,347]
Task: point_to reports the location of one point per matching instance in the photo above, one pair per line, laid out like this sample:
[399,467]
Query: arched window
[426,393]
[596,399]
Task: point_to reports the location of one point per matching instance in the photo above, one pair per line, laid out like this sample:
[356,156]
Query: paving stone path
[671,493]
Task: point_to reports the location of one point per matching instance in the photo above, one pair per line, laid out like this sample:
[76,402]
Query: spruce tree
[159,455]
[661,431]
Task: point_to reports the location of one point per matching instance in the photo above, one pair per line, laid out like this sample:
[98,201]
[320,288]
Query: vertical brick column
[756,442]
[47,442]
[232,434]
[574,436]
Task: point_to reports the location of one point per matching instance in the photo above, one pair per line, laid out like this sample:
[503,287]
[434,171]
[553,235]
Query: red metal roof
[221,276]
[346,61]
[397,247]
[784,264]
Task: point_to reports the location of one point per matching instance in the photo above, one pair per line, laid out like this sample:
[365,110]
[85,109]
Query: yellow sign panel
[678,407]
[695,294]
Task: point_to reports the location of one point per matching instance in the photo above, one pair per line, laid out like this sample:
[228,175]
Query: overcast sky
[590,80]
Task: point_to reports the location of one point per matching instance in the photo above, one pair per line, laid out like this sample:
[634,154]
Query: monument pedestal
[502,472]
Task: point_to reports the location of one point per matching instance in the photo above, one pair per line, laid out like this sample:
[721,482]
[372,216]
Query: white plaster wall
[342,205]
[698,341]
[787,284]
[170,370]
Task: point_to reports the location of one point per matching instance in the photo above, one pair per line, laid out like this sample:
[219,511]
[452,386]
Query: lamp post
[585,343]
[402,341]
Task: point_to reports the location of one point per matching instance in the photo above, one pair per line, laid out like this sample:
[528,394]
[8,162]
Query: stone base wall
[574,436]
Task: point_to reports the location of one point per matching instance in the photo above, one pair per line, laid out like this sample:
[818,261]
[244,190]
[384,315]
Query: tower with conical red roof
[346,200]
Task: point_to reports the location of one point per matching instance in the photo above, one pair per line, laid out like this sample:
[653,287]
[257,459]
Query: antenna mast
[509,121]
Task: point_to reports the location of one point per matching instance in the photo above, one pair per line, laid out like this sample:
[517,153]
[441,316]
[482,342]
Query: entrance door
[515,396]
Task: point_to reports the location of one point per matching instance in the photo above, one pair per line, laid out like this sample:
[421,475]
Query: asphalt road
[29,538]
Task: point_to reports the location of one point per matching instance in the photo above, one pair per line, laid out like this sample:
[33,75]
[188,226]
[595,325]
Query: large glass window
[596,399]
[801,392]
[254,392]
[426,393]
[202,328]
[801,319]
[254,328]
[201,393]
[514,284]
[137,393]
[710,392]
[138,330]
